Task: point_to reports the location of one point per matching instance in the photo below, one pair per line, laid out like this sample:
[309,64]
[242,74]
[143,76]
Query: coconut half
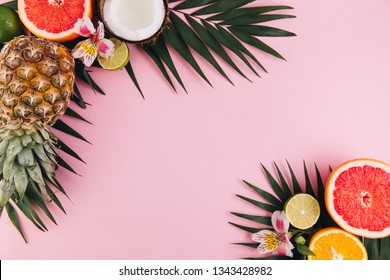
[134,21]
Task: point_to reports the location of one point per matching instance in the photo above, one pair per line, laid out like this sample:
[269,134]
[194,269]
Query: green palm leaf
[153,55]
[190,37]
[254,19]
[244,13]
[261,205]
[160,48]
[230,42]
[309,187]
[283,182]
[209,27]
[62,126]
[192,4]
[282,192]
[266,195]
[255,218]
[212,43]
[275,185]
[177,42]
[248,229]
[221,6]
[385,249]
[12,4]
[296,187]
[130,71]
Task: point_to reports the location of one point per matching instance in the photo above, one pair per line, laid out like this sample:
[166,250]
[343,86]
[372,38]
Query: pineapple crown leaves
[28,160]
[29,157]
[26,169]
[282,191]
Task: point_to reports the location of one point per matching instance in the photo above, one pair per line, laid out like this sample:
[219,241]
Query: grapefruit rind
[329,196]
[64,36]
[333,230]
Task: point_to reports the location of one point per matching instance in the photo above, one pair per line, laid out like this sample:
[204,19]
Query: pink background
[162,173]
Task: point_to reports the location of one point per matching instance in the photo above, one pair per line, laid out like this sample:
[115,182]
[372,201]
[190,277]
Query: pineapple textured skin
[36,81]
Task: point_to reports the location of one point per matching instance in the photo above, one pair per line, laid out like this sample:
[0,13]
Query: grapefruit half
[53,19]
[357,197]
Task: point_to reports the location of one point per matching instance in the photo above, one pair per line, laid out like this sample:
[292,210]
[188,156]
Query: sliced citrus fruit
[357,197]
[302,210]
[336,244]
[118,59]
[53,19]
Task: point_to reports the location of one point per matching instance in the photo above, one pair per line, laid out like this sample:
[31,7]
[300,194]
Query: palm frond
[282,190]
[255,218]
[266,195]
[267,207]
[11,4]
[78,98]
[214,27]
[62,126]
[248,229]
[130,71]
[309,187]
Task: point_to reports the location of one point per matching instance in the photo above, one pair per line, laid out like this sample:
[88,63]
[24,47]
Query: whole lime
[10,24]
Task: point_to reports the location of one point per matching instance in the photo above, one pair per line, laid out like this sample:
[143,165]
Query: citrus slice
[118,59]
[336,244]
[302,210]
[53,19]
[357,197]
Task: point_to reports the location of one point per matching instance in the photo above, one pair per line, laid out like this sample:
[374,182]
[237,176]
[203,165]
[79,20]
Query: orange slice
[336,244]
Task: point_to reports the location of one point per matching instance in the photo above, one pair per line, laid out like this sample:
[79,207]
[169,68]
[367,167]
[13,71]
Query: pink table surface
[162,173]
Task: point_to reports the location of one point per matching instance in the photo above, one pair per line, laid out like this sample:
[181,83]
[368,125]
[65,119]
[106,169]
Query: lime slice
[118,59]
[302,210]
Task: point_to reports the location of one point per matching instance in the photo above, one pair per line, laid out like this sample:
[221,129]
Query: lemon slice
[302,210]
[118,59]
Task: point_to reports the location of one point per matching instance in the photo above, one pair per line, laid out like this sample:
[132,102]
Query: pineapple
[36,84]
[36,81]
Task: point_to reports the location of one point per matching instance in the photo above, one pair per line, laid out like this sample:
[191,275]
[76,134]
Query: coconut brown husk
[150,40]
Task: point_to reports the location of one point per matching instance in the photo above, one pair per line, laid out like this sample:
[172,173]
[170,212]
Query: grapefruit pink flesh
[53,19]
[360,197]
[73,8]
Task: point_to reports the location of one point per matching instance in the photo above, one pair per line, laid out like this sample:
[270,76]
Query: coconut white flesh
[134,20]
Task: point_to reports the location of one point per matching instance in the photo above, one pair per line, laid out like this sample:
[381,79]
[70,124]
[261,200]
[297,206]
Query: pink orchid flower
[277,243]
[88,50]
